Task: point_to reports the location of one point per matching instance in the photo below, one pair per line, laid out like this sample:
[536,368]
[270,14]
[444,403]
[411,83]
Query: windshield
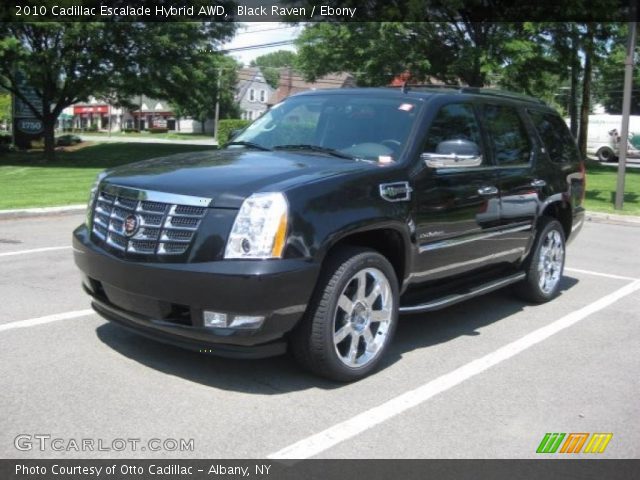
[352,126]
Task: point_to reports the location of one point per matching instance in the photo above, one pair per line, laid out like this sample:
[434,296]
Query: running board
[443,302]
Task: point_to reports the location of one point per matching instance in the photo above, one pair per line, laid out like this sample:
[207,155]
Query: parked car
[67,140]
[329,216]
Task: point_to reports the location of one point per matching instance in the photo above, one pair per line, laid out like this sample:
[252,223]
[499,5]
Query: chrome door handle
[489,190]
[538,183]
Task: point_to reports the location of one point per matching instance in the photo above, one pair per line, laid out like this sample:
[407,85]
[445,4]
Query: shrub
[7,147]
[225,127]
[158,130]
[130,130]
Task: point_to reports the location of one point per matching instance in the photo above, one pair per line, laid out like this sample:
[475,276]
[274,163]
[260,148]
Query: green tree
[68,62]
[5,107]
[608,89]
[203,90]
[472,42]
[451,52]
[271,63]
[373,52]
[534,58]
[566,58]
[596,42]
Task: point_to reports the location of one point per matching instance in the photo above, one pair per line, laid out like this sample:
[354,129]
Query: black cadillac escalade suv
[329,216]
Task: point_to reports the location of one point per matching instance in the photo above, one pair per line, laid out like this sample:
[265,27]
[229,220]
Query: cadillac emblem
[131,225]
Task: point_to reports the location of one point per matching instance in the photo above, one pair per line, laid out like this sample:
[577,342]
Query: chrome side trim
[473,238]
[153,196]
[458,297]
[453,266]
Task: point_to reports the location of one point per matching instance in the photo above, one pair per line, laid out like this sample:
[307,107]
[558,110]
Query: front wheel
[351,318]
[545,265]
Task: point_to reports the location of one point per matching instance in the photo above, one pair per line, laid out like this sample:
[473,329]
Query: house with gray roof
[252,93]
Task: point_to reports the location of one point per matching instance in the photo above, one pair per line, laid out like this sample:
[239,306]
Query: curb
[41,212]
[598,217]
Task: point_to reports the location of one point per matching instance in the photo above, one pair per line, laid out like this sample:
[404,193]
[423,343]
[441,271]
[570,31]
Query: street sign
[31,126]
[27,126]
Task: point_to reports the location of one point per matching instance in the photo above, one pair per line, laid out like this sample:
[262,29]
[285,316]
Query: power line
[266,30]
[257,47]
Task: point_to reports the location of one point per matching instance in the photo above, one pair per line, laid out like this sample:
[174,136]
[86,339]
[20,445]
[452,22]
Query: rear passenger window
[508,135]
[556,137]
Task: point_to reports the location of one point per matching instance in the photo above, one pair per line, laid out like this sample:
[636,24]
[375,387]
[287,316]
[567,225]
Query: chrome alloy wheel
[362,317]
[550,262]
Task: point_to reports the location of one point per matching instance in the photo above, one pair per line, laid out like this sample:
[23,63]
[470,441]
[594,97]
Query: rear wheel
[351,318]
[605,154]
[545,264]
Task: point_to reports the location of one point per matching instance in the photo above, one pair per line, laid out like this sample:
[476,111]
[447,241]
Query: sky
[259,33]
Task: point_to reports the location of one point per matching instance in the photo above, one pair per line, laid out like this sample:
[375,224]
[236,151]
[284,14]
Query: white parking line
[33,250]
[600,274]
[32,322]
[352,427]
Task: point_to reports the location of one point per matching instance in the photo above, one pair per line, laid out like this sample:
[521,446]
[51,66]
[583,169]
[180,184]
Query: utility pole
[626,110]
[217,116]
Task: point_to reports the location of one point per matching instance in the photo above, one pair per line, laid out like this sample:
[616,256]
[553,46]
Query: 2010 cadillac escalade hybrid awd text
[330,215]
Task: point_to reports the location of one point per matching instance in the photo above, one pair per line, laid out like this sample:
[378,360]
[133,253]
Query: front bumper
[165,301]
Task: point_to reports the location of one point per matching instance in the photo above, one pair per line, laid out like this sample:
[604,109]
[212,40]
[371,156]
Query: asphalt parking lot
[483,379]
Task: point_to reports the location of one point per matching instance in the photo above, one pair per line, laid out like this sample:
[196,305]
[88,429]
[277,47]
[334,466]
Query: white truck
[603,140]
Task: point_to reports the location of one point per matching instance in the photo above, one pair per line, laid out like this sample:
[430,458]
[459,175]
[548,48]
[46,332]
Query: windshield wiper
[314,148]
[257,146]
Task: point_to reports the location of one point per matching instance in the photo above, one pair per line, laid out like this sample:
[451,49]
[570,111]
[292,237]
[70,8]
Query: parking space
[486,378]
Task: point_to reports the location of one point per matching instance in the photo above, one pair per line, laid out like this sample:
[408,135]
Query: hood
[229,176]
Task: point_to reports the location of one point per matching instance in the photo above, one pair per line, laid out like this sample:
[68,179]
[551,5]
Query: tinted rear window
[556,137]
[511,143]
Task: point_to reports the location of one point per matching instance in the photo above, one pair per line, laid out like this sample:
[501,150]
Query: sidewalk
[137,139]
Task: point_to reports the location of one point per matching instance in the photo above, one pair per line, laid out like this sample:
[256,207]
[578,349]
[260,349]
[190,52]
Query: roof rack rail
[473,90]
[409,86]
[502,93]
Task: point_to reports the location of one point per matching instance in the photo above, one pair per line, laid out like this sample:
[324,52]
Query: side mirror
[454,154]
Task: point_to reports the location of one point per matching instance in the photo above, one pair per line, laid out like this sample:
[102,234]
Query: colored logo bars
[574,442]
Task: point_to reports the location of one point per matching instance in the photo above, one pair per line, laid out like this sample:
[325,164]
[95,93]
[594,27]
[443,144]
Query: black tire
[605,154]
[533,288]
[314,341]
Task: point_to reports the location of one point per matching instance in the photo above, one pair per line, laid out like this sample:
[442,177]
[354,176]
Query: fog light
[215,319]
[246,322]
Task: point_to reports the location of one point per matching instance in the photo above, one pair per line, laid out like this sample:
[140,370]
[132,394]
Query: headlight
[260,227]
[92,195]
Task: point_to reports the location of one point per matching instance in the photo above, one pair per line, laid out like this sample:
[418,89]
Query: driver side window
[455,121]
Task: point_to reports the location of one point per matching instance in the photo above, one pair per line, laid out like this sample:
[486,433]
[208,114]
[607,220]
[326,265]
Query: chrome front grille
[161,227]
